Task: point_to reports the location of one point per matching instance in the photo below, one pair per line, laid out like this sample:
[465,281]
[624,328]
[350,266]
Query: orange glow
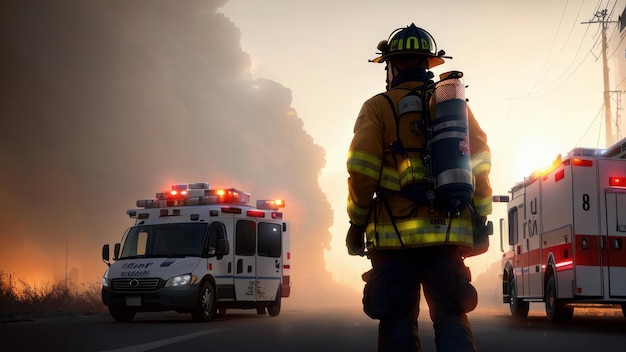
[582,162]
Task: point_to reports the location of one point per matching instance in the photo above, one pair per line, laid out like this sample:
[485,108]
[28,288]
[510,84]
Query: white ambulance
[201,251]
[567,232]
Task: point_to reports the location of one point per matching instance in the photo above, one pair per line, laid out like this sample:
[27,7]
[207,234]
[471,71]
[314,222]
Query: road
[336,329]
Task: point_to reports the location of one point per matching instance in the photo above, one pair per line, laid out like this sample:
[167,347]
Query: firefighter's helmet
[410,40]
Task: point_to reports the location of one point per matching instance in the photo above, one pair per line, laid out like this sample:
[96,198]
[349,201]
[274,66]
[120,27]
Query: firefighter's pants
[392,295]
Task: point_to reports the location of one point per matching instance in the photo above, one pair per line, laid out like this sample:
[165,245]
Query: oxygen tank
[450,163]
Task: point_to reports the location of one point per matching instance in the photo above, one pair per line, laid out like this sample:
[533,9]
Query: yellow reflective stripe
[481,162]
[389,179]
[364,163]
[483,205]
[356,213]
[411,170]
[420,232]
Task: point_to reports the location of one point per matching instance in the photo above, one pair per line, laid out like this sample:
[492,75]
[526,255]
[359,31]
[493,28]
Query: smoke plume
[106,102]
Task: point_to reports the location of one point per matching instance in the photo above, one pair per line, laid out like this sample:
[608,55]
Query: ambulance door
[269,260]
[220,265]
[245,265]
[616,240]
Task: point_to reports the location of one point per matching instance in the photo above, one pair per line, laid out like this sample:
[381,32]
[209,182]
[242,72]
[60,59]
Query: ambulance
[567,235]
[198,250]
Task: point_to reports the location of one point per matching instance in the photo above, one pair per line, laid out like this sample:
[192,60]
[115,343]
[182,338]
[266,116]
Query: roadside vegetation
[19,297]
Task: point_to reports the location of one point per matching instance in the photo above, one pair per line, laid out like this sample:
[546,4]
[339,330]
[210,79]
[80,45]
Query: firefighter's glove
[355,240]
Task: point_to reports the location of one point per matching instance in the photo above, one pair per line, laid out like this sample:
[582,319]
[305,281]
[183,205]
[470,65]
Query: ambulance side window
[270,241]
[513,227]
[245,238]
[217,231]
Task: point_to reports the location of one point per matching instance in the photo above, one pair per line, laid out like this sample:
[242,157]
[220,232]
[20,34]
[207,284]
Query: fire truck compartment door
[615,242]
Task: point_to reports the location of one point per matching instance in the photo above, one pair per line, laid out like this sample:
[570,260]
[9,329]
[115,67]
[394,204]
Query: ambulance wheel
[121,314]
[624,309]
[519,308]
[206,307]
[274,308]
[556,311]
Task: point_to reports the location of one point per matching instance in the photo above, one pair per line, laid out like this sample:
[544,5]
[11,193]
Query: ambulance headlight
[181,280]
[105,279]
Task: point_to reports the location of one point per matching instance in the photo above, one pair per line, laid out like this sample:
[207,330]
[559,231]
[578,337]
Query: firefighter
[411,245]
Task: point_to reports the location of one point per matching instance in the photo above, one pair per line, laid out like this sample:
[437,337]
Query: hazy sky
[106,102]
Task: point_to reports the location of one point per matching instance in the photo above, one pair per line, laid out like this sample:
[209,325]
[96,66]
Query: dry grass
[17,296]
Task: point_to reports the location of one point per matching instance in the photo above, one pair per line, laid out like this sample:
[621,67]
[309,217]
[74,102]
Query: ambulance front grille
[137,284]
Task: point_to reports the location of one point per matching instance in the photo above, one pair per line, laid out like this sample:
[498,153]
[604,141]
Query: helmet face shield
[410,40]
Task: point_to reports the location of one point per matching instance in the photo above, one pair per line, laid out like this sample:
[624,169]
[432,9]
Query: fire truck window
[513,227]
[245,238]
[270,240]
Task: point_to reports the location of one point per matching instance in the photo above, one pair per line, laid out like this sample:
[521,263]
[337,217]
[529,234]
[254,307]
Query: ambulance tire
[121,314]
[556,311]
[519,307]
[260,311]
[274,308]
[624,309]
[206,307]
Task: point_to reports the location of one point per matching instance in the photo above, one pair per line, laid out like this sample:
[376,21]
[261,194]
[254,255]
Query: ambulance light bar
[617,181]
[270,204]
[194,194]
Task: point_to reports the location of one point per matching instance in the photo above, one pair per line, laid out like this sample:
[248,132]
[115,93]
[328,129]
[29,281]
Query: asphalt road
[328,329]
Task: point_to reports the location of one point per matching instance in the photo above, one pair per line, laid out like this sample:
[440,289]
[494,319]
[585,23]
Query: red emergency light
[617,181]
[582,162]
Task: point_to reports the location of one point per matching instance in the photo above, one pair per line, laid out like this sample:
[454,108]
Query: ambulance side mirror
[223,248]
[105,255]
[116,251]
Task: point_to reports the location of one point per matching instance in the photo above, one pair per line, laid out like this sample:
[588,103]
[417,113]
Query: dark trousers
[392,295]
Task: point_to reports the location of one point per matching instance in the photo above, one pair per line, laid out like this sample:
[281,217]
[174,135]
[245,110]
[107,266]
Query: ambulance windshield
[164,240]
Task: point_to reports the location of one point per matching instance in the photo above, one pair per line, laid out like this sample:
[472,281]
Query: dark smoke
[106,102]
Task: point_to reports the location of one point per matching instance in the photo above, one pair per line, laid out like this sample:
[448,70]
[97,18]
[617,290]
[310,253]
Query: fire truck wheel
[556,311]
[274,308]
[519,308]
[121,314]
[207,303]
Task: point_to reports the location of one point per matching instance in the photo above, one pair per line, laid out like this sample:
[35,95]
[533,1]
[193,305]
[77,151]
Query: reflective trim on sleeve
[389,179]
[356,214]
[481,162]
[364,163]
[483,205]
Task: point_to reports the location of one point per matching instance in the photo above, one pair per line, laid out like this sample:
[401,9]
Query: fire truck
[199,250]
[567,235]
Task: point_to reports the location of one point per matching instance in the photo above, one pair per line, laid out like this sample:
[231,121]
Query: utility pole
[601,18]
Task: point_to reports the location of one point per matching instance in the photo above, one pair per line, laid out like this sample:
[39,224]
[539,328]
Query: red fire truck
[567,235]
